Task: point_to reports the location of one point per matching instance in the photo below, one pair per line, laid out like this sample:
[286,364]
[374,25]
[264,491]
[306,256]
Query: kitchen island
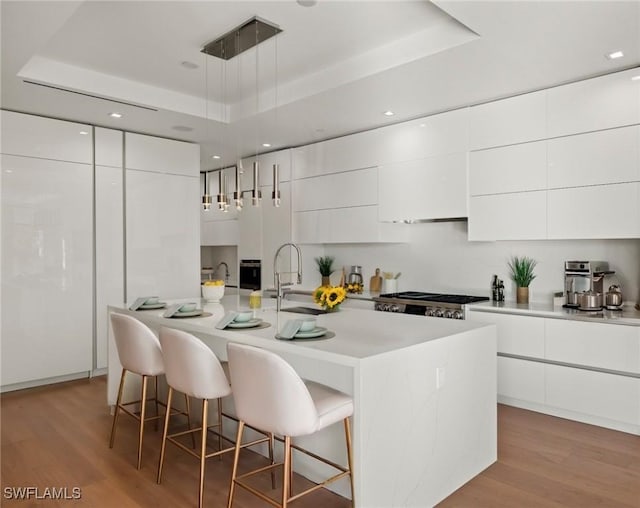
[424,392]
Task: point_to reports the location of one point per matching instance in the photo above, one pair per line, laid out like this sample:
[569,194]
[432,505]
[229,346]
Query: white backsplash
[440,258]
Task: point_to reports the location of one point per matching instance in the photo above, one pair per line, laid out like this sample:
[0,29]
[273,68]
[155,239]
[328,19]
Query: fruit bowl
[212,293]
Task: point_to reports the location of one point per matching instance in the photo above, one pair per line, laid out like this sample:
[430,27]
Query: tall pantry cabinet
[68,216]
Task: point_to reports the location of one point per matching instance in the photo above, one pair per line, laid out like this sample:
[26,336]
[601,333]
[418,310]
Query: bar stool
[269,395]
[193,369]
[139,352]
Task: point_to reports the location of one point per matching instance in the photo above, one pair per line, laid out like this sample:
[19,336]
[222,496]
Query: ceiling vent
[241,38]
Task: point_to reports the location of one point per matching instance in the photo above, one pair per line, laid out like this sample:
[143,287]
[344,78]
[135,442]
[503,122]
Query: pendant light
[256,194]
[237,195]
[275,194]
[222,198]
[206,197]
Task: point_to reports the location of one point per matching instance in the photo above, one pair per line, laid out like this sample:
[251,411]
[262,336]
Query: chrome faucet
[277,275]
[226,270]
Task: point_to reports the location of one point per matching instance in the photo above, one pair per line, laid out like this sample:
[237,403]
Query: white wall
[439,258]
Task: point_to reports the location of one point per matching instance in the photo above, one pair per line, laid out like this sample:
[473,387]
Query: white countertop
[358,333]
[627,316]
[299,290]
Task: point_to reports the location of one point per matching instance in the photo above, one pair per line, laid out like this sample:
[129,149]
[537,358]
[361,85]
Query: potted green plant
[325,267]
[522,274]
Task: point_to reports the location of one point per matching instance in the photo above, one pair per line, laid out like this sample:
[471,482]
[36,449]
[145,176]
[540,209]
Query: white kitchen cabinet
[599,211]
[276,230]
[601,345]
[250,231]
[219,233]
[148,153]
[435,135]
[45,138]
[593,104]
[515,216]
[346,225]
[517,335]
[47,269]
[341,190]
[430,188]
[109,147]
[514,168]
[162,235]
[109,252]
[609,156]
[611,399]
[356,151]
[508,121]
[520,381]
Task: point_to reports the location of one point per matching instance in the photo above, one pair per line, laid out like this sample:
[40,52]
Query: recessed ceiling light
[389,113]
[189,65]
[423,125]
[182,128]
[636,78]
[84,133]
[307,3]
[115,115]
[215,156]
[615,54]
[266,145]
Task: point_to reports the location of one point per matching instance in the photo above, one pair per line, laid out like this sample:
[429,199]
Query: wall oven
[250,274]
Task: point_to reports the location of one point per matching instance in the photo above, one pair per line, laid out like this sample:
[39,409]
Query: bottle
[494,288]
[500,294]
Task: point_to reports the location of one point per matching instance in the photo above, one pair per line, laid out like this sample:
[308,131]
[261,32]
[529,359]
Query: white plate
[318,331]
[192,313]
[149,306]
[245,324]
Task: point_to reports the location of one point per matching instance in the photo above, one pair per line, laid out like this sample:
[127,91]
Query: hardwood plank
[57,436]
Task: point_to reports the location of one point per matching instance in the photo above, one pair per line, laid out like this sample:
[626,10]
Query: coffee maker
[581,276]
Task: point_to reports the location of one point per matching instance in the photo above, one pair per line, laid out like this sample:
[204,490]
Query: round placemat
[204,314]
[328,335]
[263,324]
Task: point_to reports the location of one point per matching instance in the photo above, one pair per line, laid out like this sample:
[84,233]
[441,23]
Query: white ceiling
[334,69]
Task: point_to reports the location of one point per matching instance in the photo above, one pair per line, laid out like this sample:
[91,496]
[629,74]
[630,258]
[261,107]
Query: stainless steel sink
[304,310]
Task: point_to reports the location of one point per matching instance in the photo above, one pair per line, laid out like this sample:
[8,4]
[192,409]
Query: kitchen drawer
[508,169]
[517,335]
[521,379]
[508,121]
[593,104]
[600,345]
[607,396]
[598,211]
[610,156]
[515,216]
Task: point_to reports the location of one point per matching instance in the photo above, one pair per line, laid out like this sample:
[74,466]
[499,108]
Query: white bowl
[187,307]
[212,294]
[243,316]
[152,300]
[307,325]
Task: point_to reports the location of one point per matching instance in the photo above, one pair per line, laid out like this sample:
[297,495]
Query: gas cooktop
[416,297]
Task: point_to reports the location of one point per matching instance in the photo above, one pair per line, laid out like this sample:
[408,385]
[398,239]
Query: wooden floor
[57,436]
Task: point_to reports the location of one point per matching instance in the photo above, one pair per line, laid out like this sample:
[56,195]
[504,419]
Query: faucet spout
[226,269]
[278,275]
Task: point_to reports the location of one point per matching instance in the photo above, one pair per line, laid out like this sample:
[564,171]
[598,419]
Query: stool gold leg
[187,404]
[203,449]
[287,471]
[143,400]
[164,434]
[155,422]
[236,456]
[347,434]
[219,427]
[273,470]
[117,409]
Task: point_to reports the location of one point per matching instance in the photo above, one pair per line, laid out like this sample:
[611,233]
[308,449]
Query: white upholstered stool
[139,352]
[269,395]
[193,369]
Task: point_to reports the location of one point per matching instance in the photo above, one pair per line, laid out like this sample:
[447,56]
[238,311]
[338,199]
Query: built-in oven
[250,274]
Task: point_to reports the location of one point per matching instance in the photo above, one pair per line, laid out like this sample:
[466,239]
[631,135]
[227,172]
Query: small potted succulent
[325,267]
[522,274]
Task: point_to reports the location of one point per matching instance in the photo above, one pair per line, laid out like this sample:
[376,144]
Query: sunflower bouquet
[329,297]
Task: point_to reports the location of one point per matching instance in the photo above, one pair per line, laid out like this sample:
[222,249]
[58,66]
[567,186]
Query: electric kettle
[613,298]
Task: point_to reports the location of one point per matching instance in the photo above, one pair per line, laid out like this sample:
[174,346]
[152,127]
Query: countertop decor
[329,297]
[522,274]
[325,267]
